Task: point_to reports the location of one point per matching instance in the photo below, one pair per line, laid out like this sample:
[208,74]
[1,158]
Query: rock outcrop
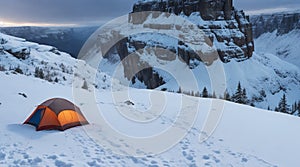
[225,28]
[217,19]
[210,10]
[20,53]
[282,22]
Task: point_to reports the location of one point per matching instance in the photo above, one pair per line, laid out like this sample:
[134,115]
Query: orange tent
[57,114]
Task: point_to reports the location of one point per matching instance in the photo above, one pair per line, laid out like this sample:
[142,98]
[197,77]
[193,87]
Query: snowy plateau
[242,136]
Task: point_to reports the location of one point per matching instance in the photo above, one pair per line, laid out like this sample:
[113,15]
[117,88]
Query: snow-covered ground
[245,136]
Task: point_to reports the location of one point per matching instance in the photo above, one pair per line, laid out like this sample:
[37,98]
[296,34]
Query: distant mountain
[282,23]
[279,34]
[18,56]
[67,39]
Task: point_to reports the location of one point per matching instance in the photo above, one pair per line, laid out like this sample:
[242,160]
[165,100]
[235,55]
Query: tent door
[37,117]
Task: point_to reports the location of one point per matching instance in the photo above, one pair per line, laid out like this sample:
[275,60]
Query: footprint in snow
[53,157]
[244,160]
[217,151]
[205,157]
[2,156]
[59,163]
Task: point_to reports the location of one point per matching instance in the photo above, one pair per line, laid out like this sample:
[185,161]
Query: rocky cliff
[225,29]
[279,34]
[283,22]
[210,10]
[218,19]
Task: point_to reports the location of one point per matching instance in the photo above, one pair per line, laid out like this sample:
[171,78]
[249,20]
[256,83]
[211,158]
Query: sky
[95,12]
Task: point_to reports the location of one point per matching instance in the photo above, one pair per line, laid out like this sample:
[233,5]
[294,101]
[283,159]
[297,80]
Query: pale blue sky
[98,11]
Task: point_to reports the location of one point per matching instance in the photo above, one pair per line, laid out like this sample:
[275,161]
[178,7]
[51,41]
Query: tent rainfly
[56,114]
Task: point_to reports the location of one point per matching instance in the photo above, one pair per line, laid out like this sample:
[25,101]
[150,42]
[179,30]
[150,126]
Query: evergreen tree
[283,106]
[179,90]
[227,96]
[205,93]
[41,74]
[238,95]
[214,95]
[294,108]
[245,98]
[298,108]
[262,93]
[36,72]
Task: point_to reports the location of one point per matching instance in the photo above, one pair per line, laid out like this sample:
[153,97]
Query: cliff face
[218,19]
[223,28]
[282,22]
[279,34]
[210,10]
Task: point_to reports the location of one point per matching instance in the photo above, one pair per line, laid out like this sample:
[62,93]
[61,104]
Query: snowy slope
[284,46]
[56,66]
[245,136]
[264,71]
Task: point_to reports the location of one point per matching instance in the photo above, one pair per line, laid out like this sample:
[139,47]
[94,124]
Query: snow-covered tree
[238,96]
